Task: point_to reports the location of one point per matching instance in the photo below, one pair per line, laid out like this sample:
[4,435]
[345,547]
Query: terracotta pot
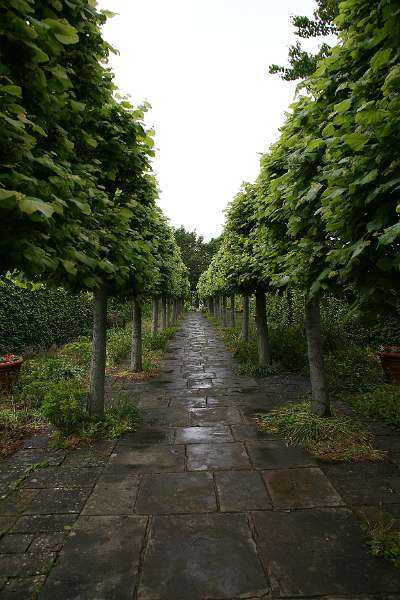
[390,362]
[9,371]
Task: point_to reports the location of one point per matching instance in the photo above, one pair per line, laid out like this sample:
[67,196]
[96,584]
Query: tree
[196,254]
[303,63]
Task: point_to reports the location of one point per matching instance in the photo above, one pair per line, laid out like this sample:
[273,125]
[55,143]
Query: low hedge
[33,319]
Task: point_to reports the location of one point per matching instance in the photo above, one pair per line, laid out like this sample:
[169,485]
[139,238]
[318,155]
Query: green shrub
[37,318]
[384,537]
[160,340]
[121,418]
[351,369]
[119,342]
[64,406]
[382,401]
[38,373]
[79,351]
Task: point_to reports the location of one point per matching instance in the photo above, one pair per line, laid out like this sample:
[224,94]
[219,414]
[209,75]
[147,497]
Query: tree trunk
[245,320]
[168,317]
[154,318]
[320,398]
[289,296]
[224,312]
[98,364]
[212,306]
[233,310]
[209,302]
[264,351]
[136,353]
[164,313]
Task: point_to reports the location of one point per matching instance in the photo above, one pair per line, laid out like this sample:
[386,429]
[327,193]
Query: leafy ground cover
[383,533]
[53,390]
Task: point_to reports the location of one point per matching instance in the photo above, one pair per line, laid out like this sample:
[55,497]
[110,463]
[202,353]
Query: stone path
[196,504]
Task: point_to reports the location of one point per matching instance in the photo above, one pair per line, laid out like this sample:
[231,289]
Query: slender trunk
[154,318]
[175,311]
[136,354]
[98,365]
[209,302]
[233,310]
[164,312]
[224,312]
[212,306]
[245,321]
[320,398]
[289,295]
[264,351]
[168,316]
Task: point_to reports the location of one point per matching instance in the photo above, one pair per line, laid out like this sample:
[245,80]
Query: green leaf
[6,194]
[356,141]
[389,235]
[63,31]
[12,90]
[343,106]
[30,205]
[381,58]
[70,267]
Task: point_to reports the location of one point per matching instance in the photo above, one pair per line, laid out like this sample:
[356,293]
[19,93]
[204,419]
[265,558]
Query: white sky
[203,66]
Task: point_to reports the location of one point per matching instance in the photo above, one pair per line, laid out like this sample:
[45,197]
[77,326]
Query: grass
[383,534]
[336,438]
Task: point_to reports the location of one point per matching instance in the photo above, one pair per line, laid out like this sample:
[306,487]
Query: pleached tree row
[323,214]
[77,192]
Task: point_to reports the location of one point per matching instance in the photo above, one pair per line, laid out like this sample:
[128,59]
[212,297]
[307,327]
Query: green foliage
[303,63]
[121,418]
[160,340]
[351,368]
[79,351]
[339,437]
[119,342]
[196,254]
[37,318]
[381,401]
[64,406]
[384,537]
[37,374]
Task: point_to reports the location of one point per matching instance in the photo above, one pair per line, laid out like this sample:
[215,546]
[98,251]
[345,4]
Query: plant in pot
[390,361]
[10,365]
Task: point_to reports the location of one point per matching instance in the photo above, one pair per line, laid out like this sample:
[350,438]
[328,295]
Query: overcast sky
[203,66]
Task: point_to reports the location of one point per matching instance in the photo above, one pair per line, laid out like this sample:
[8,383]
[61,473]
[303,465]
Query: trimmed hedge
[37,318]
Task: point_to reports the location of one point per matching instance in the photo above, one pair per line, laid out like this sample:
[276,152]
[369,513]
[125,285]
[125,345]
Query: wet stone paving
[197,504]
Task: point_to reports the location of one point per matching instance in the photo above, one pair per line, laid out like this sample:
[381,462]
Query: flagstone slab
[100,560]
[209,416]
[365,483]
[151,459]
[201,435]
[211,457]
[201,556]
[112,498]
[63,477]
[171,417]
[274,454]
[147,436]
[251,433]
[176,493]
[199,383]
[189,402]
[57,500]
[301,488]
[44,523]
[241,491]
[319,552]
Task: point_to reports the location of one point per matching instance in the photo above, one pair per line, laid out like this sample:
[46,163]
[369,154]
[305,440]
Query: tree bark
[289,296]
[233,310]
[245,320]
[98,364]
[263,344]
[320,398]
[136,353]
[224,312]
[168,319]
[164,313]
[154,317]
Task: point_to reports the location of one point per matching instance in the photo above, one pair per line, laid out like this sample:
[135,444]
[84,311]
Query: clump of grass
[15,423]
[384,537]
[336,438]
[251,370]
